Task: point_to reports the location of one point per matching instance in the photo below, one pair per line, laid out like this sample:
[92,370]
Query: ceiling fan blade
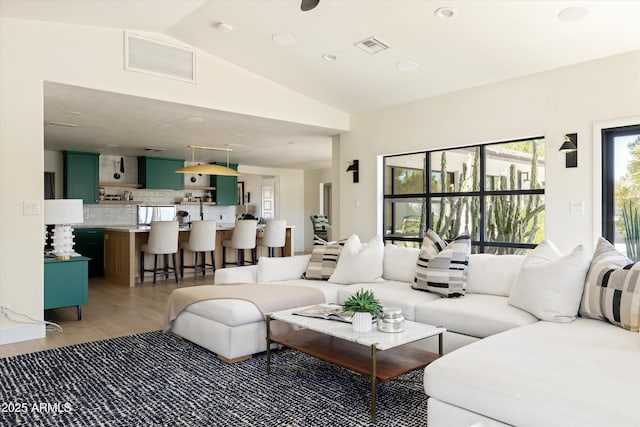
[308,4]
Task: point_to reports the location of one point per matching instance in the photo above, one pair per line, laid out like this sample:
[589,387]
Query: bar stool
[202,239]
[163,240]
[243,237]
[274,236]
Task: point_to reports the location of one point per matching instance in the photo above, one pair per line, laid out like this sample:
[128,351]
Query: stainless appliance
[148,213]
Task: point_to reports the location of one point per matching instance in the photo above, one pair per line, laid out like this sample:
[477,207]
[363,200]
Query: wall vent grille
[372,45]
[145,55]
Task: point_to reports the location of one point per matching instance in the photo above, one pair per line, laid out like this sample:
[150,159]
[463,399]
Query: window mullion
[481,221]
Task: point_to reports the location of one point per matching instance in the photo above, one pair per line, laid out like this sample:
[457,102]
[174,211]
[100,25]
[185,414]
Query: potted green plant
[365,308]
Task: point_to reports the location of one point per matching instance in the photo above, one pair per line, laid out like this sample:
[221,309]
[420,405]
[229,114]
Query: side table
[66,283]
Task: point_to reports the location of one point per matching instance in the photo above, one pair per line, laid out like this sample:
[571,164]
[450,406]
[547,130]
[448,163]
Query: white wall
[33,52]
[252,185]
[289,191]
[551,103]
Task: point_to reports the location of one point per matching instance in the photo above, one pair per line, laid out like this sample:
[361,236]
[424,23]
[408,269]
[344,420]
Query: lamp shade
[63,211]
[568,145]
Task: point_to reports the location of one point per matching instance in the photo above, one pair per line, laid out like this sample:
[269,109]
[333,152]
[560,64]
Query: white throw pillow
[550,284]
[400,263]
[284,268]
[493,274]
[358,262]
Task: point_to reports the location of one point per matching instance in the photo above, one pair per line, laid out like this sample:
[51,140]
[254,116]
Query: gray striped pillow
[442,268]
[323,261]
[612,288]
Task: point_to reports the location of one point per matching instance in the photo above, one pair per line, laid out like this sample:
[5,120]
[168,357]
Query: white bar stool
[202,239]
[243,237]
[163,240]
[274,236]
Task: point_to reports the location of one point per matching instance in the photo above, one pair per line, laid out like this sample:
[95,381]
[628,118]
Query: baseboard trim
[18,333]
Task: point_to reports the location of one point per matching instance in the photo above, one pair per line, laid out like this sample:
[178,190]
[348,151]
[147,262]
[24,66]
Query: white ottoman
[233,329]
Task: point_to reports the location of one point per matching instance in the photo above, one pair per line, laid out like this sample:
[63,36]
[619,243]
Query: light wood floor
[113,311]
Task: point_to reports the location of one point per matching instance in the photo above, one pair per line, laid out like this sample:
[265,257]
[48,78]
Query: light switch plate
[30,208]
[576,208]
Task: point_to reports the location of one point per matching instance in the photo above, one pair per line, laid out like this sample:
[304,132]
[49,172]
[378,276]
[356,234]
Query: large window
[621,188]
[494,192]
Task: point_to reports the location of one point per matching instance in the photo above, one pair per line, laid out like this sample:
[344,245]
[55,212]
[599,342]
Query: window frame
[608,180]
[481,244]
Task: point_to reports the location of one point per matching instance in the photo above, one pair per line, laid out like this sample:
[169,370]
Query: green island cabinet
[226,193]
[160,173]
[66,283]
[90,243]
[81,175]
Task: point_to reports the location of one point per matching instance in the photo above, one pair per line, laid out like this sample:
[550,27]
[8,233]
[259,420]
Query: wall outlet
[4,309]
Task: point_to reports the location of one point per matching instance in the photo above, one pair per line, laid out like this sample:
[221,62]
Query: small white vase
[361,322]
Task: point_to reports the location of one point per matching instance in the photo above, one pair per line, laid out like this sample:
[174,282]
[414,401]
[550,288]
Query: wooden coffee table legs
[366,360]
[374,381]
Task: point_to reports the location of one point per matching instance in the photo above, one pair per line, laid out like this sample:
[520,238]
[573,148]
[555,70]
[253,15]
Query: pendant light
[206,168]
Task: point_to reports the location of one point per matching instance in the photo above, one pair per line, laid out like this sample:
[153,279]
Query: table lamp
[62,213]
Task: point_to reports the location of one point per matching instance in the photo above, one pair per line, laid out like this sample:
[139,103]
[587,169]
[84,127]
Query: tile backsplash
[127,215]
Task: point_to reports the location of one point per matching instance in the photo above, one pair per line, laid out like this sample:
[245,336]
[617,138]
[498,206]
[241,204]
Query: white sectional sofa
[234,329]
[502,365]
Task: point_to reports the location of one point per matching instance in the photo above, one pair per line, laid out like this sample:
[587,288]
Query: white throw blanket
[267,298]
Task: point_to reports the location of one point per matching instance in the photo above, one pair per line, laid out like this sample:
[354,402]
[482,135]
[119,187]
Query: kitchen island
[122,251]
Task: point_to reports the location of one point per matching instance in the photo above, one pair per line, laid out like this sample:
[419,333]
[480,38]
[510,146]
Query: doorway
[268,201]
[325,200]
[621,187]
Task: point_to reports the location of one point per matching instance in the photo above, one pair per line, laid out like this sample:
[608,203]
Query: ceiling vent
[158,58]
[372,45]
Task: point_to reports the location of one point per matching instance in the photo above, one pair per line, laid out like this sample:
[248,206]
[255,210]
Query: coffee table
[379,355]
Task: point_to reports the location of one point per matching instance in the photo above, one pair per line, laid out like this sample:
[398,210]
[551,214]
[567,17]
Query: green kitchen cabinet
[90,243]
[226,193]
[81,176]
[66,283]
[160,173]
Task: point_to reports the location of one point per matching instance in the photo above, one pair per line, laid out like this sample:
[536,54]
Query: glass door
[621,188]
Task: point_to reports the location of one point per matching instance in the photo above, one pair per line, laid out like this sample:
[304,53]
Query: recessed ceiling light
[406,65]
[164,125]
[194,119]
[573,14]
[73,113]
[283,39]
[224,28]
[445,12]
[236,135]
[111,145]
[329,57]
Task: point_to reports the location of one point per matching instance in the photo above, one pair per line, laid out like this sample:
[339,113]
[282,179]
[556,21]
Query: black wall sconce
[570,148]
[354,167]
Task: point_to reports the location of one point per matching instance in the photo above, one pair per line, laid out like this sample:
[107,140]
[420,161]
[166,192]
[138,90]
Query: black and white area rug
[153,379]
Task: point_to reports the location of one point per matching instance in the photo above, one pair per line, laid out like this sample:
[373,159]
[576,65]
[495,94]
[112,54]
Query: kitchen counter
[122,250]
[146,228]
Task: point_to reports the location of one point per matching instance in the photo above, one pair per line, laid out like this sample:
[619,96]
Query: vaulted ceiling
[433,48]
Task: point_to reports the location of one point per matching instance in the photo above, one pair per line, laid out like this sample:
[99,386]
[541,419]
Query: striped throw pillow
[612,288]
[442,268]
[323,261]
